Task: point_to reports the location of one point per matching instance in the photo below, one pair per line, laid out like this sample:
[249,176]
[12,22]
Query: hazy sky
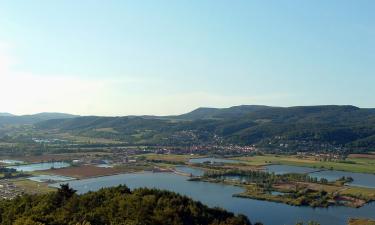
[171,56]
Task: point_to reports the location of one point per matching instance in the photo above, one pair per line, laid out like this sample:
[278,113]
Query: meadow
[351,164]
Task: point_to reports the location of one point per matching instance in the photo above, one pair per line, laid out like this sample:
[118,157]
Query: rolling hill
[301,127]
[216,113]
[9,119]
[5,114]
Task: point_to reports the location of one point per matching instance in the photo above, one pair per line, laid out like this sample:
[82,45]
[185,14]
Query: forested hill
[116,205]
[5,114]
[10,119]
[304,126]
[225,113]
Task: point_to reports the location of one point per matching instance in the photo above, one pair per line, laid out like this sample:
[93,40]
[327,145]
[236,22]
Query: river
[220,195]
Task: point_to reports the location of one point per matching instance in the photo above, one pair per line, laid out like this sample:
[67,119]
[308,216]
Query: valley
[273,172]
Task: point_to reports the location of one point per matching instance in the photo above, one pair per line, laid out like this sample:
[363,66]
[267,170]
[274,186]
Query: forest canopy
[117,206]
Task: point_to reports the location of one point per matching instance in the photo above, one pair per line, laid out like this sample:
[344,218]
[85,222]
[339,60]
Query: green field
[359,165]
[32,187]
[169,157]
[351,164]
[360,192]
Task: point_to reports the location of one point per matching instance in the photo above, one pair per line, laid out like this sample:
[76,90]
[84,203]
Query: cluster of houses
[116,158]
[8,190]
[322,156]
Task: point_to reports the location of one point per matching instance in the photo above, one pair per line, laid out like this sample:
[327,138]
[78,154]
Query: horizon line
[168,115]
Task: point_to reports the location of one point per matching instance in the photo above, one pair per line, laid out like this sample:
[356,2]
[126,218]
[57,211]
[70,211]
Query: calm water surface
[220,195]
[104,165]
[360,179]
[283,169]
[277,193]
[190,170]
[40,166]
[53,178]
[11,161]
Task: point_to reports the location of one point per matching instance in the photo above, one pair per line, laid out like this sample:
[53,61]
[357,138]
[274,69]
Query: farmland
[84,171]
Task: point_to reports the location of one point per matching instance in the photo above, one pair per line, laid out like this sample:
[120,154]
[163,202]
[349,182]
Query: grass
[6,144]
[82,139]
[32,187]
[358,195]
[312,198]
[108,130]
[169,157]
[165,165]
[359,165]
[360,192]
[361,222]
[352,164]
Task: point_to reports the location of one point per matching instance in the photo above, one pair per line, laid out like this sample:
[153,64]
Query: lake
[220,195]
[40,166]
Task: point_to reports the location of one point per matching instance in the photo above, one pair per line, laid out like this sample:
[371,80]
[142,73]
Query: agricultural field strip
[357,165]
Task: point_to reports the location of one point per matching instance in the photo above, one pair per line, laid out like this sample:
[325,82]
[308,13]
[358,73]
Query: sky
[165,57]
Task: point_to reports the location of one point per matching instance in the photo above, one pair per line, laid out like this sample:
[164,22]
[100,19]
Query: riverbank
[218,194]
[353,221]
[306,197]
[221,195]
[317,193]
[293,192]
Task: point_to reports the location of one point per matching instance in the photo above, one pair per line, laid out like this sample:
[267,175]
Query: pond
[104,165]
[283,169]
[277,193]
[11,161]
[40,166]
[190,170]
[50,178]
[220,195]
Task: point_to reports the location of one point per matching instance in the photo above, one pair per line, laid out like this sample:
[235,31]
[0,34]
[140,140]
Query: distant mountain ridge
[10,119]
[5,114]
[220,113]
[307,126]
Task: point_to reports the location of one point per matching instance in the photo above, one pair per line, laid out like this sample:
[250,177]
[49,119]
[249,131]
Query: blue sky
[168,57]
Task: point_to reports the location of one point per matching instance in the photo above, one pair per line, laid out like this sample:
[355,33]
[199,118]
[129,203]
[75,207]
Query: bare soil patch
[364,156]
[84,171]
